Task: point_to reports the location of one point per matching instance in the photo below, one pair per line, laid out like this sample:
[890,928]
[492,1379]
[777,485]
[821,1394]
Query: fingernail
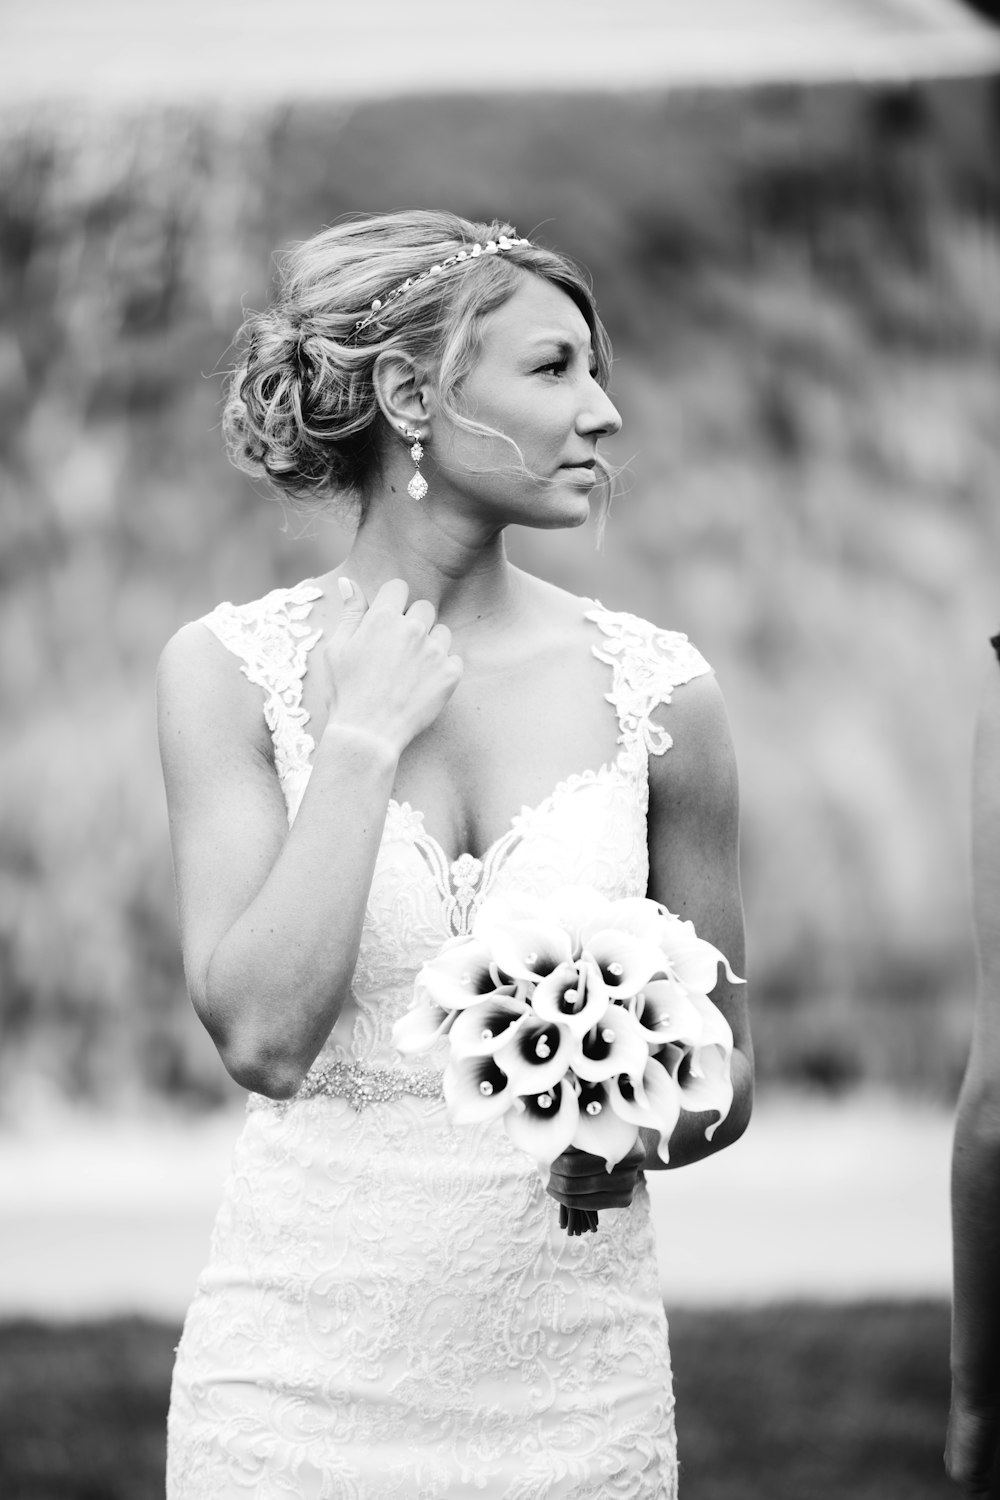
[346,588]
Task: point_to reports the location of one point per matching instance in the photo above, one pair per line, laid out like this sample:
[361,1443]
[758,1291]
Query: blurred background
[790,214]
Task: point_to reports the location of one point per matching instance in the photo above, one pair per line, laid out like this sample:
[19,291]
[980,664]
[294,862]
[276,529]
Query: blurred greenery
[788,1402]
[804,291]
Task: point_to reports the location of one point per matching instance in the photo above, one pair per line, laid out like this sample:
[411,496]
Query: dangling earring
[417,487]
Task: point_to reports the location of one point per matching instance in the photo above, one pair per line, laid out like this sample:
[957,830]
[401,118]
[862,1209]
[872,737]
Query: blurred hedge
[804,290]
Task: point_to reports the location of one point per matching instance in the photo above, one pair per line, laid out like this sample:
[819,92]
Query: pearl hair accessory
[467,253]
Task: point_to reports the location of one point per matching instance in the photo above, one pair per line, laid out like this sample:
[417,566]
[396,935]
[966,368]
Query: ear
[403,391]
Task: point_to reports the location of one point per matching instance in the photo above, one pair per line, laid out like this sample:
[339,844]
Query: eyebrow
[562,342]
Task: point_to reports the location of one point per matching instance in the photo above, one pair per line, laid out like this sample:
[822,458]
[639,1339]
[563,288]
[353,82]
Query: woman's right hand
[389,668]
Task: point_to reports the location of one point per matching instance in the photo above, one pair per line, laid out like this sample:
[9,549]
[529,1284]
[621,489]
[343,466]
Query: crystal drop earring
[417,487]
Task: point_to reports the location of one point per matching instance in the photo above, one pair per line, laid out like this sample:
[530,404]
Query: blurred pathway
[819,1200]
[114,51]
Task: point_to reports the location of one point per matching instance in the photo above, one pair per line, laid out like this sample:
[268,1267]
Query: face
[534,382]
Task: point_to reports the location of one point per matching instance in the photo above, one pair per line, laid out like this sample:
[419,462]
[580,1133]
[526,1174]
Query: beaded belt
[361,1085]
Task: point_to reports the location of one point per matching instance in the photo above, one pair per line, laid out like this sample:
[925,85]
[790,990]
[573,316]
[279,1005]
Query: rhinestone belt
[361,1085]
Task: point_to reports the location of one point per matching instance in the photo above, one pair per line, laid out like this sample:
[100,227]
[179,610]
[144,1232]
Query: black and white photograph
[500,819]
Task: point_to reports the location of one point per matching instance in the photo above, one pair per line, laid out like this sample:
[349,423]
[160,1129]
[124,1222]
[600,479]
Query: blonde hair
[301,409]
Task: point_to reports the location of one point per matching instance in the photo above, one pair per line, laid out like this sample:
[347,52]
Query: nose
[600,417]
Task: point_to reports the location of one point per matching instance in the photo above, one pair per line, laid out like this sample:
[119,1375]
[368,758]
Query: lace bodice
[590,829]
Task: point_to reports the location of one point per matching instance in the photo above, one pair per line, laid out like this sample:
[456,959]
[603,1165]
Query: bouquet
[579,1020]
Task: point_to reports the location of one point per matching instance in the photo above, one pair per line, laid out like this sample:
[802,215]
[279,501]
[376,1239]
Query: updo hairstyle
[301,409]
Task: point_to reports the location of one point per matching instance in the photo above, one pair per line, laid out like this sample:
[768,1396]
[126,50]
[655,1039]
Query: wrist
[347,737]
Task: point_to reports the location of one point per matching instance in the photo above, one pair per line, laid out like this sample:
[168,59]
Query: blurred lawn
[781,1403]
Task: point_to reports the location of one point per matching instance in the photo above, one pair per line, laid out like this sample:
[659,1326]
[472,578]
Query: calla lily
[666,1012]
[652,1100]
[575,995]
[715,1029]
[703,1078]
[546,1124]
[475,1090]
[599,1130]
[459,975]
[481,1029]
[578,909]
[530,950]
[691,959]
[499,911]
[614,1045]
[637,915]
[537,1055]
[626,963]
[421,1027]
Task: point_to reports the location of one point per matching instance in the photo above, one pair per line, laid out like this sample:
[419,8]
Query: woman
[391,1308]
[974,1425]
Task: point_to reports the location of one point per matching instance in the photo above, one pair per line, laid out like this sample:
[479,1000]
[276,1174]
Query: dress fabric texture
[390,1310]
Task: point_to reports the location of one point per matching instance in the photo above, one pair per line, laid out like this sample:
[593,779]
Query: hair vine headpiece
[467,253]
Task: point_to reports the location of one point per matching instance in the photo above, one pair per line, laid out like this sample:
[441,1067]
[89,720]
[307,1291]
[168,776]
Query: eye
[554,367]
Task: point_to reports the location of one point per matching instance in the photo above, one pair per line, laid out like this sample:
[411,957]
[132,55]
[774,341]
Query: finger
[619,1199]
[440,636]
[595,1182]
[423,611]
[392,597]
[353,607]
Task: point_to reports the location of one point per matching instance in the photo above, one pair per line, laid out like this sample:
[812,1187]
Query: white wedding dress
[390,1310]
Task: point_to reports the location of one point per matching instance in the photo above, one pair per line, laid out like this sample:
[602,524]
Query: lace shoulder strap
[272,638]
[647,663]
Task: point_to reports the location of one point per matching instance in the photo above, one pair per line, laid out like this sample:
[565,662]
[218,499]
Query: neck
[451,560]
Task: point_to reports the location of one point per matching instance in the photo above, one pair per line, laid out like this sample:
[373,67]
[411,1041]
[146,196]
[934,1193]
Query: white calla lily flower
[480,1029]
[420,1028]
[614,1045]
[537,1055]
[652,1100]
[691,959]
[667,1013]
[600,1130]
[575,995]
[637,915]
[500,910]
[476,1090]
[459,975]
[715,1029]
[626,962]
[546,1124]
[577,909]
[703,1078]
[530,950]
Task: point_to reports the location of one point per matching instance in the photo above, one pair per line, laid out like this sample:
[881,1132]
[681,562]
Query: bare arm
[271,917]
[974,1426]
[694,872]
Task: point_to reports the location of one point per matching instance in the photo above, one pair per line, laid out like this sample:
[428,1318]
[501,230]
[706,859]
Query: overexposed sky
[217,50]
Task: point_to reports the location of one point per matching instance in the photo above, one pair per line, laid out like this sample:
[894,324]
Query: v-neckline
[397,810]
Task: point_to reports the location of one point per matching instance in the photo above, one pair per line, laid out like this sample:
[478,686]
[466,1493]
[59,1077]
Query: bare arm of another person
[694,872]
[974,1423]
[271,917]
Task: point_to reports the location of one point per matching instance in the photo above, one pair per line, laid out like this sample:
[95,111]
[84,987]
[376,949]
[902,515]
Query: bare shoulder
[203,697]
[697,771]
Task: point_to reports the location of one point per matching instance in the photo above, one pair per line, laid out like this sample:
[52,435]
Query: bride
[391,1308]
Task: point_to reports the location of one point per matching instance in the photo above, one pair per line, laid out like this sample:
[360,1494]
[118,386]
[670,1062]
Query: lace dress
[390,1310]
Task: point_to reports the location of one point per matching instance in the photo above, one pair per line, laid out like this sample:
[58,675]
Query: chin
[563,507]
